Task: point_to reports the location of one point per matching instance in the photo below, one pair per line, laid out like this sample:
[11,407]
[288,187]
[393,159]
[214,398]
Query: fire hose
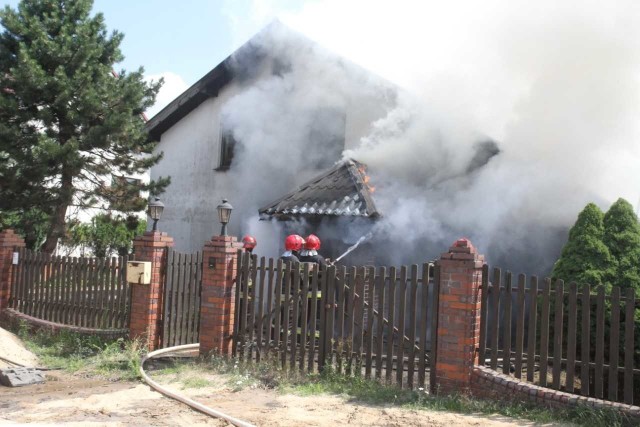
[192,403]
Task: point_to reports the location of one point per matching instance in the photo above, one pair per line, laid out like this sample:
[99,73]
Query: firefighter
[292,245]
[311,246]
[249,243]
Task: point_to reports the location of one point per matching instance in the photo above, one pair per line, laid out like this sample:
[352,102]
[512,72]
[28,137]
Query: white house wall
[191,150]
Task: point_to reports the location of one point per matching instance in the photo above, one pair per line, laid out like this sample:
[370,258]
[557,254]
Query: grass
[91,355]
[356,389]
[120,360]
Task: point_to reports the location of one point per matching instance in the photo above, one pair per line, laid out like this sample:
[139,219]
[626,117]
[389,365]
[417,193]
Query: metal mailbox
[139,272]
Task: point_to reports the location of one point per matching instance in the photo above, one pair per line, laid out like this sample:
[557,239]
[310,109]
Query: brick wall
[9,241]
[217,307]
[146,300]
[458,317]
[487,383]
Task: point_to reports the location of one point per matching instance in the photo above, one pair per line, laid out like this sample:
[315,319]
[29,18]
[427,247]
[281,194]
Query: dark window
[227,148]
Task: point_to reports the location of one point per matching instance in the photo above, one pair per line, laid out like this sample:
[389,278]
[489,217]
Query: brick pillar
[217,307]
[458,317]
[9,241]
[146,300]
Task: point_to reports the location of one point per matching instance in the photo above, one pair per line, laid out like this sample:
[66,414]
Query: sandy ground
[73,400]
[11,348]
[76,400]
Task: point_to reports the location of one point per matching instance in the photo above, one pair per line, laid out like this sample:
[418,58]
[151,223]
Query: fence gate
[375,322]
[183,284]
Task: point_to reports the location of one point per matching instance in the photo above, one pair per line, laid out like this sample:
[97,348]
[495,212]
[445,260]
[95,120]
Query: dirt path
[73,400]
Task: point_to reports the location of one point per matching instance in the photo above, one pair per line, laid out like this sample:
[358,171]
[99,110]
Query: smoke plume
[510,117]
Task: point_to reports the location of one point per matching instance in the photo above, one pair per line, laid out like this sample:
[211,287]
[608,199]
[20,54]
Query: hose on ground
[192,403]
[20,365]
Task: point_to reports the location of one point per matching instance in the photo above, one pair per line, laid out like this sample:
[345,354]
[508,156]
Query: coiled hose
[192,403]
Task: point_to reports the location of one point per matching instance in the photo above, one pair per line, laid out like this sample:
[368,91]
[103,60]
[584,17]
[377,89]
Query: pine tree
[68,122]
[622,237]
[585,258]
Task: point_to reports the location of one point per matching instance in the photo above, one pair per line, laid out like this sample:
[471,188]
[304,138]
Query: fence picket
[322,277]
[344,287]
[295,305]
[572,313]
[424,312]
[495,316]
[412,324]
[315,301]
[269,295]
[278,308]
[532,329]
[614,336]
[370,320]
[286,308]
[585,373]
[557,334]
[506,333]
[484,308]
[357,349]
[246,273]
[629,349]
[402,288]
[599,343]
[240,283]
[544,332]
[168,299]
[381,280]
[520,312]
[260,320]
[392,303]
[330,287]
[304,302]
[434,329]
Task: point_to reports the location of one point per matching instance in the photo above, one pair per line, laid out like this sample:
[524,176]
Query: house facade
[277,112]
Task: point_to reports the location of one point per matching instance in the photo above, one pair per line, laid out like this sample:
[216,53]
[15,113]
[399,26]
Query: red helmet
[293,242]
[312,243]
[249,242]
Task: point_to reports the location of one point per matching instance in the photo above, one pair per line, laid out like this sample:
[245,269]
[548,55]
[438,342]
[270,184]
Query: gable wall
[191,150]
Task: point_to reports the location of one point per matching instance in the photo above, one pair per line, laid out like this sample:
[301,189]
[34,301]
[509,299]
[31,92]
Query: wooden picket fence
[561,337]
[360,321]
[84,292]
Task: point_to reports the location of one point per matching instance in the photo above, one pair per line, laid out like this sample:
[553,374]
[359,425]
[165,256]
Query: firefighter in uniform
[311,246]
[249,243]
[292,245]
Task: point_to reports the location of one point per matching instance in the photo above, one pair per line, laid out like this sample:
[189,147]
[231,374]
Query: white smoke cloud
[557,84]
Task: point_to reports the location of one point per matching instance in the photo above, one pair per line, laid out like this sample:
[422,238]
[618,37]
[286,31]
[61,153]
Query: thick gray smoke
[555,86]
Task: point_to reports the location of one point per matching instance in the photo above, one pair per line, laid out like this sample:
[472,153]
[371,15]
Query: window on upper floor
[227,149]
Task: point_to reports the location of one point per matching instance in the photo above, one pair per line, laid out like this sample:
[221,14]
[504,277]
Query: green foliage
[585,258]
[622,237]
[68,122]
[31,224]
[106,235]
[116,360]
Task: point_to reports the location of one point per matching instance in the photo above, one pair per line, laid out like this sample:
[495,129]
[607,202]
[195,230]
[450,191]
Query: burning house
[276,115]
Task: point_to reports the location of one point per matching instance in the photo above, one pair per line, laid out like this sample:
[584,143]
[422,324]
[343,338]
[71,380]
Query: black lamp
[155,211]
[224,213]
